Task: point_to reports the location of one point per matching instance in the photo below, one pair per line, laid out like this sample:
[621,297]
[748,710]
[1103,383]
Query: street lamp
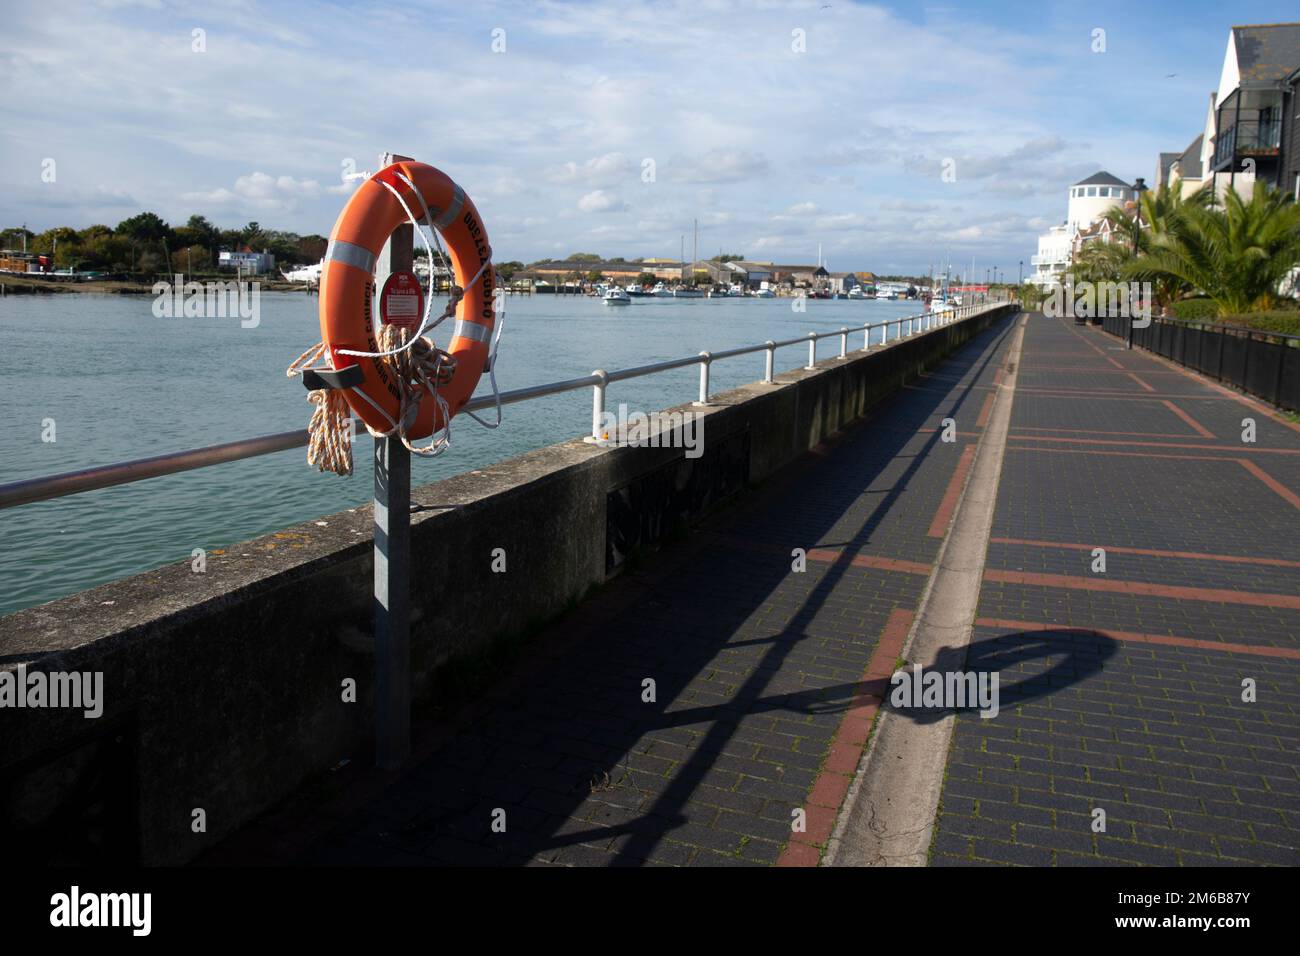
[1139,187]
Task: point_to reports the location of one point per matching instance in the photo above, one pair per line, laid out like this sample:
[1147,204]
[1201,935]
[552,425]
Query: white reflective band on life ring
[350,254]
[471,330]
[448,216]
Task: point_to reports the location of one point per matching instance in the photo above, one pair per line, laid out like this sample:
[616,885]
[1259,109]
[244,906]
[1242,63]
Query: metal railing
[31,490]
[1257,361]
[1247,136]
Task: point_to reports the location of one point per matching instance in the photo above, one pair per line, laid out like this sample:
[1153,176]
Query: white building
[1089,201]
[1250,130]
[248,263]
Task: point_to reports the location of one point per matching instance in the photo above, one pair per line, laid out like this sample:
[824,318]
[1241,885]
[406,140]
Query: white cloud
[718,166]
[846,139]
[608,170]
[600,201]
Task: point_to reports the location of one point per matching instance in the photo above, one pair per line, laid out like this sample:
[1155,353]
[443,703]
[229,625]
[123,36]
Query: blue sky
[773,149]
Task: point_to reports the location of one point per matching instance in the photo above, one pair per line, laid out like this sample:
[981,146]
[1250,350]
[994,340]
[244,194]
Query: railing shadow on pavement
[542,738]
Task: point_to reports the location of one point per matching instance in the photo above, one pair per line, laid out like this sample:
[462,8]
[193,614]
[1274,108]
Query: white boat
[616,296]
[857,293]
[662,291]
[682,292]
[308,274]
[764,294]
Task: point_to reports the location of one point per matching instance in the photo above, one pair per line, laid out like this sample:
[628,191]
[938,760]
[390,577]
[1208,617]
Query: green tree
[646,278]
[1163,209]
[91,233]
[192,260]
[311,248]
[144,227]
[506,270]
[1238,254]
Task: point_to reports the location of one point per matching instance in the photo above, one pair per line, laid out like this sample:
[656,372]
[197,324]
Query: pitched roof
[1102,178]
[1189,164]
[1267,52]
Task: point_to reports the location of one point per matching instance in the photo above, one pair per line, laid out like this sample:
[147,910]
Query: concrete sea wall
[224,691]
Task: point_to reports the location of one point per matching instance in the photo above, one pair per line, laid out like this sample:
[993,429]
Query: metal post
[770,364]
[598,406]
[393,558]
[866,336]
[812,350]
[844,343]
[705,359]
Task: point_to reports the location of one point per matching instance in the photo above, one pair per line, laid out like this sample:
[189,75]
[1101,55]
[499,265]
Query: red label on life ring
[401,303]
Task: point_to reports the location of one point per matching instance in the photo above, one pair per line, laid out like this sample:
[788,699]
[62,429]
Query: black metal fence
[1265,364]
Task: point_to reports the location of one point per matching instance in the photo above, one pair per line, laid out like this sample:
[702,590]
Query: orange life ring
[347,285]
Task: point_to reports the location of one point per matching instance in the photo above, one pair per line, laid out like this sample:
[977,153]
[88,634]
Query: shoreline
[21,285]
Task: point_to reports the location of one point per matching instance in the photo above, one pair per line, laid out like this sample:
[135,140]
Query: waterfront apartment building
[1089,201]
[1251,131]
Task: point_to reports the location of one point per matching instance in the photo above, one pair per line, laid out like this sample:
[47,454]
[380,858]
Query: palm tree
[1163,208]
[1238,254]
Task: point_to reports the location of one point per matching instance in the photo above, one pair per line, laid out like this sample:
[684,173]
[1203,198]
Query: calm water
[120,383]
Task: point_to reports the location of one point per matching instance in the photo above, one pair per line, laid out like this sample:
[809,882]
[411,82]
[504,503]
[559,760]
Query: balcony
[1050,259]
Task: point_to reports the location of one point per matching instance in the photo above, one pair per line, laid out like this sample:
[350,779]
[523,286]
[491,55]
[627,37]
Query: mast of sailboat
[695,252]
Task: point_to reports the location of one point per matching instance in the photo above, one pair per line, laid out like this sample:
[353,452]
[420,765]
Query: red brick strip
[1094,431]
[833,780]
[1032,367]
[1151,552]
[829,555]
[1090,345]
[1273,484]
[943,517]
[1133,376]
[1178,593]
[1161,444]
[985,409]
[834,555]
[1269,480]
[1223,390]
[1290,653]
[1195,425]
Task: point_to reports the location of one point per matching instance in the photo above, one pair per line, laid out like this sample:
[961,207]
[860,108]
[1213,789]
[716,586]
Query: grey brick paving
[754,666]
[1157,736]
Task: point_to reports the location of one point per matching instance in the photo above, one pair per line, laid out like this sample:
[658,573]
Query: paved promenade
[1120,690]
[1127,685]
